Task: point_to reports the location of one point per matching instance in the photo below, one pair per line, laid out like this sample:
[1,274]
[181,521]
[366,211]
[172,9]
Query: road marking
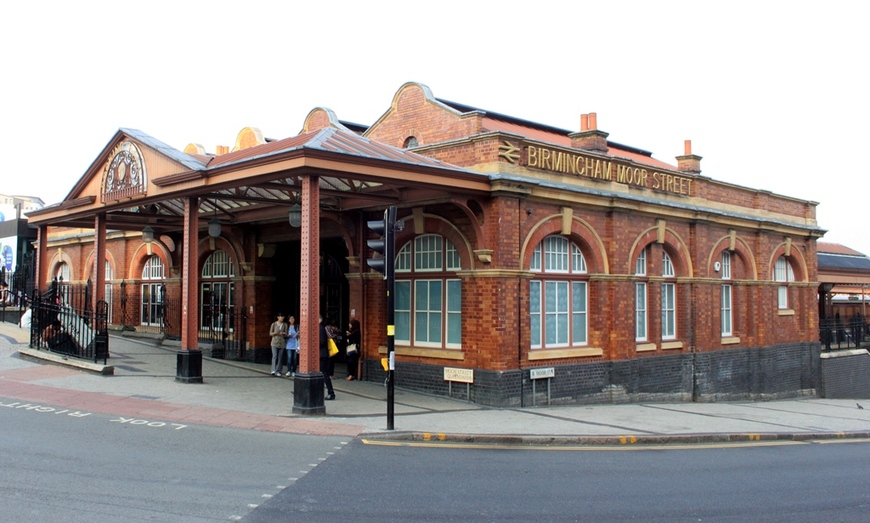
[42,408]
[498,446]
[147,423]
[834,441]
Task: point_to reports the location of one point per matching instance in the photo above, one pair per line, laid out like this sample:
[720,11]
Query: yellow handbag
[332,347]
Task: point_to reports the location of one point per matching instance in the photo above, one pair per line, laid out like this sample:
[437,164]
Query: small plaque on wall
[457,374]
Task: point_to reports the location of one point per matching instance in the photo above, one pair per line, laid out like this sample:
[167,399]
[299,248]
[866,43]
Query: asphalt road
[72,466]
[82,467]
[789,483]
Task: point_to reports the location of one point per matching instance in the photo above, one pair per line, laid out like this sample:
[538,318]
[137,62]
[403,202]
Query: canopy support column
[189,360]
[308,397]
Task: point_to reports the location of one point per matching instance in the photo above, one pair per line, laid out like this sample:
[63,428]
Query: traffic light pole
[391,314]
[386,264]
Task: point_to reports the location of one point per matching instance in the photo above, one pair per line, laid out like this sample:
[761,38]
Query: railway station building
[534,265]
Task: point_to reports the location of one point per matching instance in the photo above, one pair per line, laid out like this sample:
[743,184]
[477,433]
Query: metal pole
[389,268]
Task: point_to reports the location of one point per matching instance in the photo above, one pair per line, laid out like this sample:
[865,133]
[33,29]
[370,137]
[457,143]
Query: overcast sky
[773,95]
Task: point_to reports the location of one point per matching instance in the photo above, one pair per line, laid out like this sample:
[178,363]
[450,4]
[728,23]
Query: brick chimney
[689,163]
[589,137]
[221,149]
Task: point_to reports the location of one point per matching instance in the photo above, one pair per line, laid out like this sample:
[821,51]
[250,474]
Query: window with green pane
[558,298]
[428,295]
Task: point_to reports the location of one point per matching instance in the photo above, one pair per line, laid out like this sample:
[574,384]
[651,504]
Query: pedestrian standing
[278,331]
[292,346]
[353,348]
[325,360]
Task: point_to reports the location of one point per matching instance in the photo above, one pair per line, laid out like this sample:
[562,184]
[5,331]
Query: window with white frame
[783,273]
[428,299]
[153,273]
[669,300]
[726,306]
[62,275]
[108,288]
[640,299]
[217,293]
[558,301]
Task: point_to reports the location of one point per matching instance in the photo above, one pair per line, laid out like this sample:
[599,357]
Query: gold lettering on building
[569,163]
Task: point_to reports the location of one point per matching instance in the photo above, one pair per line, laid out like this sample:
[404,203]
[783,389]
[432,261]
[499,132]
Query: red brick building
[540,264]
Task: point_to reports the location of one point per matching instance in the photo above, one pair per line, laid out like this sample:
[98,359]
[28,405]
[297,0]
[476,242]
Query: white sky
[773,95]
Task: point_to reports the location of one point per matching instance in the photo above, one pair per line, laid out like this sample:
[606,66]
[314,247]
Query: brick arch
[208,245]
[741,249]
[143,252]
[58,258]
[795,258]
[582,234]
[345,236]
[673,244]
[89,263]
[433,224]
[473,220]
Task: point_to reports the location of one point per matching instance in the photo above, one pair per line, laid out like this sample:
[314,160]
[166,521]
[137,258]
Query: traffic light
[385,245]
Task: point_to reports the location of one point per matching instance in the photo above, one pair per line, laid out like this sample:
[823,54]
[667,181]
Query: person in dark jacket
[353,348]
[325,360]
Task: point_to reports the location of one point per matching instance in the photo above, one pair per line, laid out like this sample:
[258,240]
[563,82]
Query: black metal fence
[835,334]
[17,285]
[62,321]
[151,308]
[224,327]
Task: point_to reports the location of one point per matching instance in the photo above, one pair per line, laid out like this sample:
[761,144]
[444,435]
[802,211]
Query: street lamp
[147,234]
[295,215]
[214,227]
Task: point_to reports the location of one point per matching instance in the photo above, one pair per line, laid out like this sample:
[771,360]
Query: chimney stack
[589,137]
[689,163]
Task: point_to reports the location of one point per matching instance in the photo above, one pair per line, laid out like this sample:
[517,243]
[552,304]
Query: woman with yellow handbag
[325,360]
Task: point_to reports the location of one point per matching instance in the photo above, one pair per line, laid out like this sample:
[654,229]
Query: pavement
[244,395]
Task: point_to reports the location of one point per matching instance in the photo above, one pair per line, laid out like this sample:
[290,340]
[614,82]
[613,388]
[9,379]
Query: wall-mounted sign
[586,166]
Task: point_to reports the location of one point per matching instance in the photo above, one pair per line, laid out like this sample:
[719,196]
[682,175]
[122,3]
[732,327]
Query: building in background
[16,238]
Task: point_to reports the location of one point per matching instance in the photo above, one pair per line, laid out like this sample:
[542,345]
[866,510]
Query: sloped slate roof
[333,140]
[192,162]
[839,261]
[546,133]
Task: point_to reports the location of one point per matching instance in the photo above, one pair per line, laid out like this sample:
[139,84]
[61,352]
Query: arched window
[109,277]
[726,308]
[558,300]
[62,272]
[640,298]
[62,275]
[217,293]
[783,273]
[428,299]
[410,141]
[153,273]
[669,299]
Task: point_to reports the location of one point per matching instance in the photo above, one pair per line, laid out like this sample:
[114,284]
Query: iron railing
[62,322]
[835,334]
[224,327]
